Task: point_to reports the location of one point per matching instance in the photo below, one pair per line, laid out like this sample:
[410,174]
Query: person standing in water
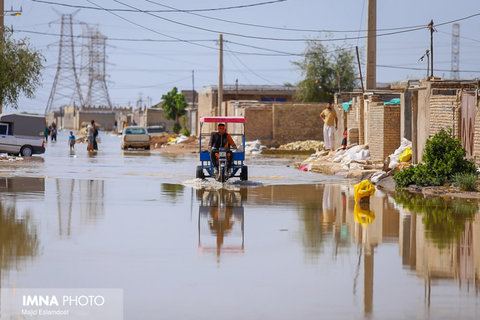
[71,141]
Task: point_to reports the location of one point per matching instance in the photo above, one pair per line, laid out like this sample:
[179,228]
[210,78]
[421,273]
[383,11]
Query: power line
[187,10]
[191,11]
[251,69]
[257,37]
[287,39]
[150,29]
[119,39]
[422,69]
[279,28]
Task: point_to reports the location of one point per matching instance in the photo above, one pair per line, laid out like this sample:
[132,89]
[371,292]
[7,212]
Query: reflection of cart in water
[220,221]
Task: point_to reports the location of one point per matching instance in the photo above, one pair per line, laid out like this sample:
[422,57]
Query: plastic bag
[405,155]
[363,189]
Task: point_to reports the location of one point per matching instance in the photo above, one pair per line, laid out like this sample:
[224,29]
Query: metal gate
[467,124]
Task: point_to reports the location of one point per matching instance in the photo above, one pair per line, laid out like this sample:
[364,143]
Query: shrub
[186,132]
[176,127]
[404,178]
[443,157]
[465,181]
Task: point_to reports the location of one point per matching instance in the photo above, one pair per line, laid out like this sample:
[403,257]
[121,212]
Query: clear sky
[150,53]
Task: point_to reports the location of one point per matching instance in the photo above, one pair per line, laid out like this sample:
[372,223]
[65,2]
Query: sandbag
[363,189]
[405,155]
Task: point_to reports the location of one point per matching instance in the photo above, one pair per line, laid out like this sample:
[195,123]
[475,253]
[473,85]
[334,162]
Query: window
[3,129]
[135,131]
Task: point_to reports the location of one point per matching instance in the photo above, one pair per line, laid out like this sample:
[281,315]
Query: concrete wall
[103,119]
[69,115]
[155,116]
[384,133]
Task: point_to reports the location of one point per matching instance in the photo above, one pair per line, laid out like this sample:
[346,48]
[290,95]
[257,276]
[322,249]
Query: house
[372,118]
[434,104]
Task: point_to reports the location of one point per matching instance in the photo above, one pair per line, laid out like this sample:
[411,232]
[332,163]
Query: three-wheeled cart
[206,169]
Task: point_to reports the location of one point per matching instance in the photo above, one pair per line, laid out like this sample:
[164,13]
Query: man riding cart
[219,161]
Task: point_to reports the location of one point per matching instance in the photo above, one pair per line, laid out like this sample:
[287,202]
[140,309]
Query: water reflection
[20,186]
[172,190]
[18,236]
[437,238]
[444,219]
[220,221]
[441,240]
[79,200]
[18,233]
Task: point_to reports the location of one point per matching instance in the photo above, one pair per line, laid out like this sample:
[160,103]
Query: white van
[22,134]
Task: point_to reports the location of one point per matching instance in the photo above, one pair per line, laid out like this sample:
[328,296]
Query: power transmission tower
[93,70]
[66,87]
[455,51]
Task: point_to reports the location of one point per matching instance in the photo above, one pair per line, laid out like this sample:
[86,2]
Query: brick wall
[476,141]
[444,113]
[295,122]
[259,123]
[384,134]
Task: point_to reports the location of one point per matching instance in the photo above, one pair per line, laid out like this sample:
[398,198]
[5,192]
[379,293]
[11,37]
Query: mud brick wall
[384,130]
[295,122]
[476,140]
[259,123]
[444,113]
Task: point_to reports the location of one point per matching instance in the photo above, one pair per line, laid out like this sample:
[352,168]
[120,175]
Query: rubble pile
[356,157]
[394,162]
[303,145]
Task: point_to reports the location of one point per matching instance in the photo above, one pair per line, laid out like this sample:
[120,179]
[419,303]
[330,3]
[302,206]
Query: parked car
[135,137]
[22,134]
[156,130]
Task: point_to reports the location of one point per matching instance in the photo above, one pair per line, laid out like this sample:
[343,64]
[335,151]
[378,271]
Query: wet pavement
[285,245]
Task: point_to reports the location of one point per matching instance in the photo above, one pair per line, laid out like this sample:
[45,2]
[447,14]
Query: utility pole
[371,76]
[2,15]
[220,76]
[432,29]
[236,89]
[193,88]
[361,134]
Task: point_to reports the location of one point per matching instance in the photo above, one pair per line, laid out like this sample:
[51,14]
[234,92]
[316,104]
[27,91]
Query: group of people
[92,133]
[51,131]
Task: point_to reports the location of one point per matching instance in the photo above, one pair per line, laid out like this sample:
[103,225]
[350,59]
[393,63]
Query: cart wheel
[244,173]
[199,173]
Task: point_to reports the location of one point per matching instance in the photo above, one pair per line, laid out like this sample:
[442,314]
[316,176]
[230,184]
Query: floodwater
[285,245]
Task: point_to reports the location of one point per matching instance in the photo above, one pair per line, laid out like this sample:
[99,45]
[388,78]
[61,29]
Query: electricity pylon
[66,87]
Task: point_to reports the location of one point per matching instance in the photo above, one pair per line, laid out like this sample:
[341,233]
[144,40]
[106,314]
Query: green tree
[174,105]
[20,67]
[325,72]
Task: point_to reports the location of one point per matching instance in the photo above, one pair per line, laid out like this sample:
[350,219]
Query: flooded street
[285,245]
